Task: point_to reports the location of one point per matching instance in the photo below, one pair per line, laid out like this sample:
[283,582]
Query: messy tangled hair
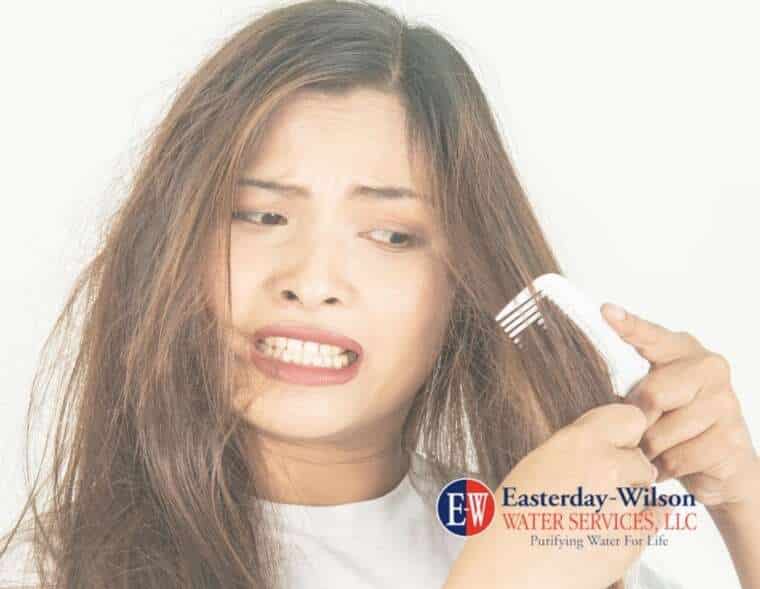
[150,483]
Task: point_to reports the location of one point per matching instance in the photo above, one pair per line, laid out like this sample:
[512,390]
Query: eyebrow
[381,192]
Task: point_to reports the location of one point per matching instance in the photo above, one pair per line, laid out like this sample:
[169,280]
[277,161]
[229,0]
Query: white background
[634,127]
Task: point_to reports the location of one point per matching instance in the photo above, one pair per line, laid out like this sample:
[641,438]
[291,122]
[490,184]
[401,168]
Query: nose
[311,274]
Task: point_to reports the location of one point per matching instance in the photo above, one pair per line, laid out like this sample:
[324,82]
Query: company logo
[465,507]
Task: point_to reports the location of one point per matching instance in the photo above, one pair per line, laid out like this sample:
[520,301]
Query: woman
[330,190]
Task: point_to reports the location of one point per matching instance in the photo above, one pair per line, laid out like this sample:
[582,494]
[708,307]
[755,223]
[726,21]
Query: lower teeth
[350,356]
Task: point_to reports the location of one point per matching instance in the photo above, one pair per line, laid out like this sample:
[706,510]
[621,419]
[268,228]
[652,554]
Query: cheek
[410,309]
[246,274]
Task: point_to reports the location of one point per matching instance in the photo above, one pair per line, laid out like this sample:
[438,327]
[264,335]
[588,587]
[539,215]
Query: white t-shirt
[391,542]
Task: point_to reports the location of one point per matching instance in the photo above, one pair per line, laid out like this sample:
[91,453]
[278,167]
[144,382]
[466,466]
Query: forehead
[359,136]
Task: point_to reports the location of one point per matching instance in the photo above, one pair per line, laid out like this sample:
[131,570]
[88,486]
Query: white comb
[625,365]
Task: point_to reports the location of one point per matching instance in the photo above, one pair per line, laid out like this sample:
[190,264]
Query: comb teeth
[521,313]
[626,366]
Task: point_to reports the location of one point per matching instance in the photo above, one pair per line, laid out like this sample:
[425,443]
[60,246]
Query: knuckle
[648,444]
[669,463]
[651,398]
[690,338]
[645,394]
[727,403]
[717,364]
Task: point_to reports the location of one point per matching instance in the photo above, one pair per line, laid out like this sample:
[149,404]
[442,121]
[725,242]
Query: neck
[310,473]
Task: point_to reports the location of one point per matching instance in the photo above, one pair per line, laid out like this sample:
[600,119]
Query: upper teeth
[297,345]
[297,351]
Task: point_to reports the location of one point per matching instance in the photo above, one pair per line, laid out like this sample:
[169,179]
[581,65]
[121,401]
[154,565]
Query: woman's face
[363,264]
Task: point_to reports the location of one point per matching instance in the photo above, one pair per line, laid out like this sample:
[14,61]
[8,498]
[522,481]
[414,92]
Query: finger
[680,425]
[637,470]
[671,386]
[620,424]
[654,342]
[702,453]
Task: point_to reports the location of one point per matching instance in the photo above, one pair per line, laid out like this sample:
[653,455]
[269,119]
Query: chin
[299,415]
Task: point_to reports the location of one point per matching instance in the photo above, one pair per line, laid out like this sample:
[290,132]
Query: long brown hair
[150,479]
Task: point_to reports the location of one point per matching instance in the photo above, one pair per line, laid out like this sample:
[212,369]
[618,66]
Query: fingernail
[615,312]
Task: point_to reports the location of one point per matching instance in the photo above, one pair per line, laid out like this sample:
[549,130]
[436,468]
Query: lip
[304,375]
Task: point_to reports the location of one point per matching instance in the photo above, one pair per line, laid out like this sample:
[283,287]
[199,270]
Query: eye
[397,239]
[260,218]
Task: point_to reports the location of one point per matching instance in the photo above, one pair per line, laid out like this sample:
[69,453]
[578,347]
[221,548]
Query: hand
[696,432]
[599,452]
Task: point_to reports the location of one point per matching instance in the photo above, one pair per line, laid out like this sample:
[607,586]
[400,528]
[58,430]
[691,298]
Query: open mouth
[306,353]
